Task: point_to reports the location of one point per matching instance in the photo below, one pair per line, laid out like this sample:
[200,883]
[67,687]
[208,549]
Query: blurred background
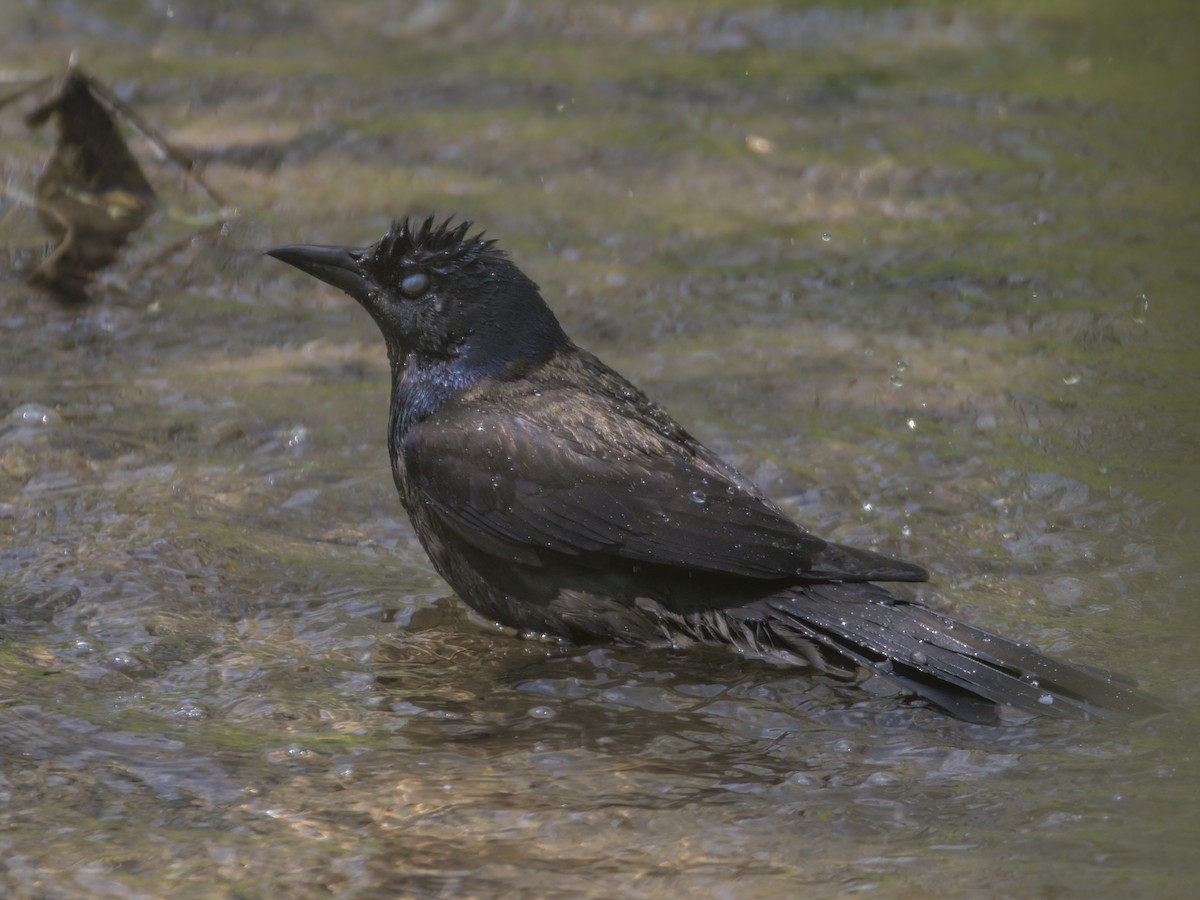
[926,271]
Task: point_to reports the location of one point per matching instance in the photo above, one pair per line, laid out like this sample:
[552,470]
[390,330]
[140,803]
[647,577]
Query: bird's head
[442,299]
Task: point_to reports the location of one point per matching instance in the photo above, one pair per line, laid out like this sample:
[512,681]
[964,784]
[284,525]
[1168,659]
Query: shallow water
[927,274]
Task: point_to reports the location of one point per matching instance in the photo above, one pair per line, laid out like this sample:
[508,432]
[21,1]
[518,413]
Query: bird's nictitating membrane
[556,498]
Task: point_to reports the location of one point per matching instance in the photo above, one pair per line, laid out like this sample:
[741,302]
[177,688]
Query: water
[227,668]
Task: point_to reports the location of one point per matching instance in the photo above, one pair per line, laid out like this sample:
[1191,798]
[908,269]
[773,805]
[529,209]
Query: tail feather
[964,670]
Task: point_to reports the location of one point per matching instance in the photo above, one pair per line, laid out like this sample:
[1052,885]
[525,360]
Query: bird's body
[555,497]
[571,494]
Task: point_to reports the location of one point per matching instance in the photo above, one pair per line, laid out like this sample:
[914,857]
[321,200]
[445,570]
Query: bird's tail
[962,669]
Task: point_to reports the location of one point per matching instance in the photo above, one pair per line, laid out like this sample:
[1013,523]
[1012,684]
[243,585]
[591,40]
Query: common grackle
[556,498]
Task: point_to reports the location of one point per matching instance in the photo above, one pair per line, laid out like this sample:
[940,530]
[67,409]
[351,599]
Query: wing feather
[531,478]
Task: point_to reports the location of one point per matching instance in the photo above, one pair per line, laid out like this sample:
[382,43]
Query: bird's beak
[339,266]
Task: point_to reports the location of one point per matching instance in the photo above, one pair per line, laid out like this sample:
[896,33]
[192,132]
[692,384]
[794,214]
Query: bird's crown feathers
[439,248]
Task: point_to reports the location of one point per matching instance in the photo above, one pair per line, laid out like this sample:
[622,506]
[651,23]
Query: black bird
[556,498]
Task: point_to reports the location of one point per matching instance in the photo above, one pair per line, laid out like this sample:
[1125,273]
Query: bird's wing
[518,485]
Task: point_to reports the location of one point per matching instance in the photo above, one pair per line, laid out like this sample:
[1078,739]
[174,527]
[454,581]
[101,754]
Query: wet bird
[555,497]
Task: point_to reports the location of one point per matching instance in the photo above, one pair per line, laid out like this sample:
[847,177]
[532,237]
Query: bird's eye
[414,285]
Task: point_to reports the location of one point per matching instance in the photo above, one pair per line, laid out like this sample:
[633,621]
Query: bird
[557,498]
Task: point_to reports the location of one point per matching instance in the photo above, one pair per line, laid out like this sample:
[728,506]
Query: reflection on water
[922,274]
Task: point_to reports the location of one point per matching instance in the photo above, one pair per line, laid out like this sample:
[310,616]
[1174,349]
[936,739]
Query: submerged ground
[927,273]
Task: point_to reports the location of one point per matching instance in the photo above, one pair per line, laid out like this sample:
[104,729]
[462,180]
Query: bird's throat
[421,388]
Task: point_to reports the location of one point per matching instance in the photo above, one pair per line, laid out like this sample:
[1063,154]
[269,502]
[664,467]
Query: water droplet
[826,237]
[1140,308]
[34,414]
[698,497]
[912,423]
[190,709]
[906,531]
[867,507]
[901,365]
[1072,379]
[1046,699]
[896,381]
[919,658]
[542,712]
